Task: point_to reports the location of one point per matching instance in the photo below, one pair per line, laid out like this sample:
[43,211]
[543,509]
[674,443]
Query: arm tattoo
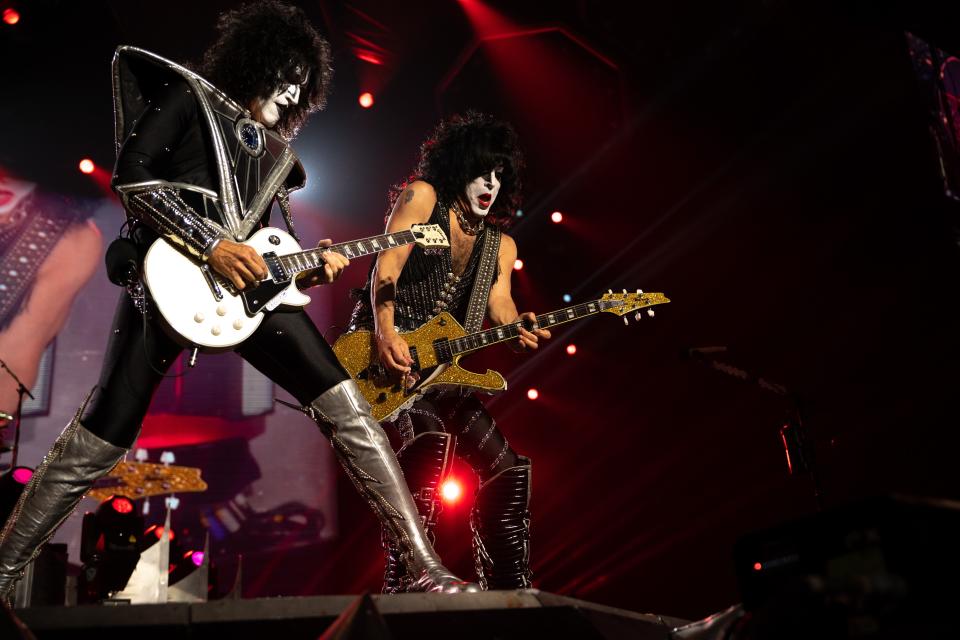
[408,196]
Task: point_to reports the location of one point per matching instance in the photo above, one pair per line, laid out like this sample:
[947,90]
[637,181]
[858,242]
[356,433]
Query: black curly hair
[463,147]
[264,45]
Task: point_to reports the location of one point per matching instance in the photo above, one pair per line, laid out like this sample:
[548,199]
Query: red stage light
[517,264]
[571,349]
[533,394]
[366,99]
[122,505]
[22,475]
[158,531]
[366,56]
[11,16]
[757,566]
[86,166]
[196,557]
[451,490]
[557,217]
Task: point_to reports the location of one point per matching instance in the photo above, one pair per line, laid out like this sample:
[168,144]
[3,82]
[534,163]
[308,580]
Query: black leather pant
[287,348]
[478,440]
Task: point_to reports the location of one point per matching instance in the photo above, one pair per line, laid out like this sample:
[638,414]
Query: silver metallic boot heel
[364,450]
[75,461]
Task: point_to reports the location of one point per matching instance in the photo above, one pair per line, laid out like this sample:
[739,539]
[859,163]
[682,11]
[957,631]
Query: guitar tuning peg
[624,290]
[141,455]
[638,316]
[626,320]
[651,312]
[609,290]
[167,457]
[640,292]
[172,502]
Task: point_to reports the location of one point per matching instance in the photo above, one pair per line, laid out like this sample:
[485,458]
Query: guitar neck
[313,258]
[496,335]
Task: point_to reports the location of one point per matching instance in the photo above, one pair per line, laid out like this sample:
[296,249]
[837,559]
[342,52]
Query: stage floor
[493,614]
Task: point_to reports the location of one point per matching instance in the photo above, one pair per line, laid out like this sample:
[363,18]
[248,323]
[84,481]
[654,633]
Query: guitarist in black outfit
[199,165]
[467,181]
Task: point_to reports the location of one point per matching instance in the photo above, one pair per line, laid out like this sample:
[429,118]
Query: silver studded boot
[76,460]
[363,449]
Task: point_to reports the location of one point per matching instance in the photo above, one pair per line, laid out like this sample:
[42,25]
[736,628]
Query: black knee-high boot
[500,522]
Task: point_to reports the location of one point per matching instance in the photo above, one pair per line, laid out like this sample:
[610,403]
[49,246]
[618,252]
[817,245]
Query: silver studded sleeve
[159,206]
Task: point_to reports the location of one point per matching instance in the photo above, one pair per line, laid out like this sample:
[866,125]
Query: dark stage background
[769,168]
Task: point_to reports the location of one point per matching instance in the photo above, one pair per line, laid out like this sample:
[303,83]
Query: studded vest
[427,284]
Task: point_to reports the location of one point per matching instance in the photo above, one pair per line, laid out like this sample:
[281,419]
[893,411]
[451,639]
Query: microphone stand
[793,432]
[21,390]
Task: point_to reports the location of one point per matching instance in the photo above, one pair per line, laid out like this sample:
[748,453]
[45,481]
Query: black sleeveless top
[427,284]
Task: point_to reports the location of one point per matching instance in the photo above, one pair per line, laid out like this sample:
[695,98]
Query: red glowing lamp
[11,16]
[517,264]
[86,166]
[366,99]
[451,490]
[571,349]
[533,394]
[557,217]
[122,505]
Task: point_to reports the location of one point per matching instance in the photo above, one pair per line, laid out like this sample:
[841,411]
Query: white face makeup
[481,192]
[269,108]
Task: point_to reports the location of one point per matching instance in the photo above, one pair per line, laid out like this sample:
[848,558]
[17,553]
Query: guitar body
[358,355]
[188,304]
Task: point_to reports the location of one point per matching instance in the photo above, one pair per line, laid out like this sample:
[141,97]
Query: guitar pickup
[277,272]
[441,347]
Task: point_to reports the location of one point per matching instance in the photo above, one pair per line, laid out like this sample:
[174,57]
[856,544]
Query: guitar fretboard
[506,332]
[313,258]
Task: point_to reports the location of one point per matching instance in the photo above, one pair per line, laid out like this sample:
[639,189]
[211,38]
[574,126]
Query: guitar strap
[477,308]
[283,198]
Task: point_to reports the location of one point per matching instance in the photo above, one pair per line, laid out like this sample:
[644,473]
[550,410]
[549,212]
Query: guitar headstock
[430,236]
[624,303]
[144,479]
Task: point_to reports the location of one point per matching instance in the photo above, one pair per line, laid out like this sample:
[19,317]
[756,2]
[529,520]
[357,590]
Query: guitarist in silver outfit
[467,181]
[200,160]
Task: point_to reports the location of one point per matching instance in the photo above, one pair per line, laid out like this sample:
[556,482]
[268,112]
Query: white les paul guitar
[204,309]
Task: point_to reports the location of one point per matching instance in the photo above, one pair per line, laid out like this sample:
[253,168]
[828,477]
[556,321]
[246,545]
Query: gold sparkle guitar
[144,479]
[437,346]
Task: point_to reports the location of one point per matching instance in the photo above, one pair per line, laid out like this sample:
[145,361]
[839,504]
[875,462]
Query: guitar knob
[215,330]
[626,320]
[221,309]
[198,317]
[238,324]
[637,316]
[651,313]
